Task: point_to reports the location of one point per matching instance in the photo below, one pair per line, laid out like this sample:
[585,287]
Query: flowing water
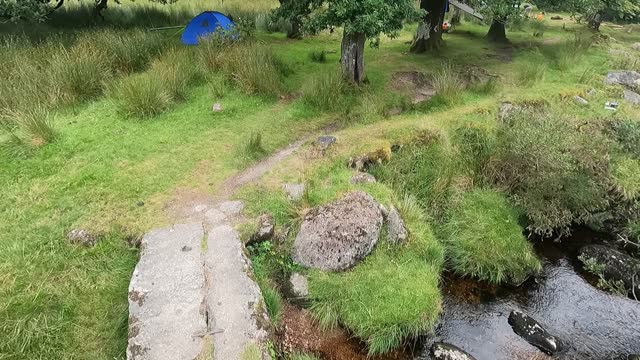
[595,324]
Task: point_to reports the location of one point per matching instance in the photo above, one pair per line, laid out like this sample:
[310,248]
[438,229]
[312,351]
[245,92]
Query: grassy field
[129,124]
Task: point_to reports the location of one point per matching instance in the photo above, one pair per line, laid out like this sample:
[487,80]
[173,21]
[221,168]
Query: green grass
[302,356]
[626,176]
[448,84]
[485,241]
[273,304]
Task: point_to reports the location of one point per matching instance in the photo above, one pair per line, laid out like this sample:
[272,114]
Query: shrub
[556,175]
[626,133]
[141,96]
[326,91]
[485,241]
[448,84]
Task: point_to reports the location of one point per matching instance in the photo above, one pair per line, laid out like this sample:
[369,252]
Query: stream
[594,324]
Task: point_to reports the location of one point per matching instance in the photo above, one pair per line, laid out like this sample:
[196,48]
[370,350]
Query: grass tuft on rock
[485,241]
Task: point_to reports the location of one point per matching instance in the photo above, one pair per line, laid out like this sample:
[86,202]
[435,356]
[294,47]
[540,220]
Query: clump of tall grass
[448,84]
[538,27]
[566,56]
[252,148]
[273,303]
[529,74]
[318,56]
[326,91]
[484,240]
[141,96]
[126,52]
[252,67]
[26,130]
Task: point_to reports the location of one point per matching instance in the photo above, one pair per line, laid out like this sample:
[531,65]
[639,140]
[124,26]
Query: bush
[319,56]
[557,175]
[485,241]
[626,133]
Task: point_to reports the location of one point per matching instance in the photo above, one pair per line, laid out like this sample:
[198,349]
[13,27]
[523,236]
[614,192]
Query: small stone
[632,97]
[506,110]
[140,203]
[534,333]
[294,192]
[636,46]
[592,92]
[299,285]
[264,232]
[396,229]
[444,351]
[580,100]
[200,208]
[231,208]
[217,107]
[82,237]
[326,141]
[363,178]
[557,17]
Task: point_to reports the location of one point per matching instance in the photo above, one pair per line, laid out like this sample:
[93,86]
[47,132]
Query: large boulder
[615,265]
[530,330]
[337,236]
[626,78]
[444,351]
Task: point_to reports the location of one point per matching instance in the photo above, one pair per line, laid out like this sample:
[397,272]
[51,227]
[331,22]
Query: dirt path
[191,295]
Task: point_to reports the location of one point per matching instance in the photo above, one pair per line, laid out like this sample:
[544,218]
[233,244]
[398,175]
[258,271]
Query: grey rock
[444,351]
[636,46]
[299,285]
[326,141]
[294,192]
[234,300]
[534,333]
[632,97]
[396,229]
[214,217]
[506,110]
[363,178]
[231,208]
[83,237]
[265,230]
[580,100]
[617,266]
[165,301]
[217,107]
[337,236]
[627,78]
[592,92]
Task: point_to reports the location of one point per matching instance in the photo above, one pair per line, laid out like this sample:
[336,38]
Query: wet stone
[444,351]
[530,330]
[616,265]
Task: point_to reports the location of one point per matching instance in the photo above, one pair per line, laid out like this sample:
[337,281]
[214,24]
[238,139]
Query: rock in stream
[534,333]
[616,265]
[444,351]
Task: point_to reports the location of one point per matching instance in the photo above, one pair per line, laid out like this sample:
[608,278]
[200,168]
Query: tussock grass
[27,130]
[252,148]
[626,176]
[530,74]
[273,303]
[448,84]
[326,91]
[484,240]
[318,56]
[302,356]
[567,55]
[141,96]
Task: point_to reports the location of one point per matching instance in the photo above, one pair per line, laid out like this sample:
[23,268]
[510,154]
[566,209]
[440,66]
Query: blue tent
[204,25]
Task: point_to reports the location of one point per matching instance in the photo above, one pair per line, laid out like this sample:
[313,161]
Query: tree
[499,12]
[596,11]
[429,35]
[360,20]
[294,11]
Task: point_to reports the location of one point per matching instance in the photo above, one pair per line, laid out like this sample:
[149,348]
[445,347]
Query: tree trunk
[429,35]
[294,32]
[497,32]
[594,22]
[353,57]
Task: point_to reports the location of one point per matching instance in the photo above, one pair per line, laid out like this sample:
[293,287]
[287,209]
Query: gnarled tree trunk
[497,32]
[294,32]
[353,57]
[429,35]
[595,21]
